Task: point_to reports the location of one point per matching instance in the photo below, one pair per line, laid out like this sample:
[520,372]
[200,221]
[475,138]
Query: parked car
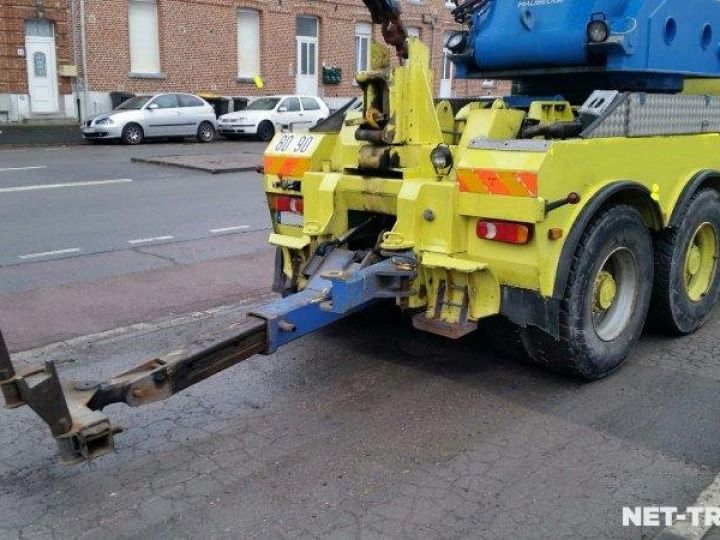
[161,115]
[266,115]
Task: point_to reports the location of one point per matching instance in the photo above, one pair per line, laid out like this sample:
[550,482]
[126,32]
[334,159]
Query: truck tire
[133,134]
[606,299]
[687,281]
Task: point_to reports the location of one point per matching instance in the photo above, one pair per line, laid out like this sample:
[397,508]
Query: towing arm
[344,283]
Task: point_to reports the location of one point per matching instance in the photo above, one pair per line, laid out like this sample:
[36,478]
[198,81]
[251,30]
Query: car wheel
[606,301]
[133,134]
[687,280]
[206,132]
[266,131]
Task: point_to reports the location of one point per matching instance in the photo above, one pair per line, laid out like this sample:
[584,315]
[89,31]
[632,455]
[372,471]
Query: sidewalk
[32,135]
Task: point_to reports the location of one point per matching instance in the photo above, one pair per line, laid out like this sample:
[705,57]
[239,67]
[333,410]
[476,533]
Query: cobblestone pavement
[370,430]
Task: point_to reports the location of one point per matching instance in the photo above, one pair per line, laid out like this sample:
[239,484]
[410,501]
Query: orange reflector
[508,232]
[286,166]
[498,182]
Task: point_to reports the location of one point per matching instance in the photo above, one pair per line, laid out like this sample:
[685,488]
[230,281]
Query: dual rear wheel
[619,274]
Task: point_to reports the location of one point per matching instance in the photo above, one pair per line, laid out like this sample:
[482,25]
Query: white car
[266,115]
[161,115]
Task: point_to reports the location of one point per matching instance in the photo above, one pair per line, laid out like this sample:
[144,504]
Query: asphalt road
[367,429]
[91,241]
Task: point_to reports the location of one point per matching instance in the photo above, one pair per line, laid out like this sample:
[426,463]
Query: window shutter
[143,29]
[248,25]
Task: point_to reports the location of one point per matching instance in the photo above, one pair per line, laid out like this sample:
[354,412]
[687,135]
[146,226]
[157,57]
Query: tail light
[287,204]
[508,232]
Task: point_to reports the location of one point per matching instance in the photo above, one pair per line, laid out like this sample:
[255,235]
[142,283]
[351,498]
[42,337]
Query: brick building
[217,46]
[36,60]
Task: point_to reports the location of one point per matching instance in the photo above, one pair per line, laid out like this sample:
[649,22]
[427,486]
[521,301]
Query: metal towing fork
[344,283]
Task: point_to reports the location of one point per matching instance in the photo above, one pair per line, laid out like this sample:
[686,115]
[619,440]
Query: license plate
[88,130]
[291,218]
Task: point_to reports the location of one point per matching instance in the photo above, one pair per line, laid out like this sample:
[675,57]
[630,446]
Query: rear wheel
[606,300]
[206,132]
[687,281]
[133,134]
[266,131]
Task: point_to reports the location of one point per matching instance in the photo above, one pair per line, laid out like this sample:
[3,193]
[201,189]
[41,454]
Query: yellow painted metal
[436,220]
[446,118]
[701,259]
[548,112]
[710,87]
[291,242]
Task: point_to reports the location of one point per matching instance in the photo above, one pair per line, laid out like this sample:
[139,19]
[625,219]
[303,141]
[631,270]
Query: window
[291,104]
[143,29]
[263,104]
[309,104]
[413,31]
[39,28]
[40,64]
[307,26]
[248,43]
[190,101]
[167,101]
[363,31]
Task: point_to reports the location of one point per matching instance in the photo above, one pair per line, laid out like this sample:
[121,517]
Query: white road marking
[7,169]
[68,184]
[152,239]
[229,229]
[49,253]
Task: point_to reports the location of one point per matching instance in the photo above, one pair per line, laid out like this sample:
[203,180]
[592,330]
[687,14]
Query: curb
[188,163]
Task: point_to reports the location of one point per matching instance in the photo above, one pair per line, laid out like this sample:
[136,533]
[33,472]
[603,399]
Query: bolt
[429,215]
[286,326]
[84,386]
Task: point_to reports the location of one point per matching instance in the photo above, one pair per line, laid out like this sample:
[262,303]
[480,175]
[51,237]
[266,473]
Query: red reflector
[288,204]
[504,231]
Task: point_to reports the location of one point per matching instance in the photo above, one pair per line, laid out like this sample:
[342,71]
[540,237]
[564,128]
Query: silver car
[161,115]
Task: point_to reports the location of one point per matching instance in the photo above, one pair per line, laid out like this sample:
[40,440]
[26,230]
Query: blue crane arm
[646,45]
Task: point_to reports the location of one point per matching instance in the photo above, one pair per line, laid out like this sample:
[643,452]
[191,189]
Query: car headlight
[104,122]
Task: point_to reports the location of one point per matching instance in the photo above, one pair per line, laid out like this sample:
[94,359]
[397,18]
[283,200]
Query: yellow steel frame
[460,275]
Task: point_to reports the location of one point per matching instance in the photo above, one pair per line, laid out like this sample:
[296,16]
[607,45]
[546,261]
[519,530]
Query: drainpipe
[430,21]
[84,59]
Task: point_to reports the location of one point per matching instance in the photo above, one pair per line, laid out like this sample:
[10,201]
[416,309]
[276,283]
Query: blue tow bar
[340,287]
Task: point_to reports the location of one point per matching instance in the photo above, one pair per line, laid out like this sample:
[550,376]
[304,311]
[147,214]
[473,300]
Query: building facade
[37,73]
[224,47]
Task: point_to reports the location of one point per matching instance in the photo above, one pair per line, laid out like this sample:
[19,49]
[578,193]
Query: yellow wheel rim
[701,262]
[614,294]
[605,291]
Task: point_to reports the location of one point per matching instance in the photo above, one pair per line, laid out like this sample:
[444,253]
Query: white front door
[306,82]
[306,73]
[42,74]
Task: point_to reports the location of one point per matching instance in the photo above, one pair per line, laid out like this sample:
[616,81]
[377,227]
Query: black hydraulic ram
[344,282]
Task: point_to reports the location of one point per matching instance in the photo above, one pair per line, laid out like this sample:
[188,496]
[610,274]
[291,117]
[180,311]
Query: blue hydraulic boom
[634,45]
